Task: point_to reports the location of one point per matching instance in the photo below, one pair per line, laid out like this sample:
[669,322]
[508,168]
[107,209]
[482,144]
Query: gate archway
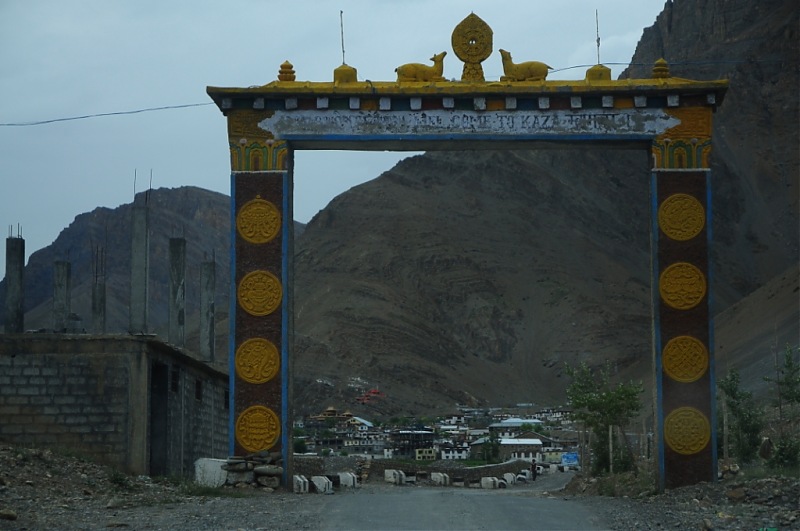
[671,117]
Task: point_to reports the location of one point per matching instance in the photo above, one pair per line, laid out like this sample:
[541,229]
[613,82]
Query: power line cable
[98,115]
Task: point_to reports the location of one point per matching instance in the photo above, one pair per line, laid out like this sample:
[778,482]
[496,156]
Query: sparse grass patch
[761,471]
[190,488]
[633,485]
[121,481]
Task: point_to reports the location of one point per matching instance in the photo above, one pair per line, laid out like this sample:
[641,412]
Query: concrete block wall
[56,400]
[94,395]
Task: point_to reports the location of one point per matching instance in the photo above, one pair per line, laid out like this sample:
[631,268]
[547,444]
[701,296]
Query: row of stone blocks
[237,472]
[398,477]
[323,484]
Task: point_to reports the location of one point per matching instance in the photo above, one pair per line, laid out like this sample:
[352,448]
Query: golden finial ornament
[660,69]
[344,74]
[286,73]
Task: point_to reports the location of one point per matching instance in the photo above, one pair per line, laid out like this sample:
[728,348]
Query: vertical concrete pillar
[208,282]
[99,306]
[15,272]
[140,265]
[177,291]
[62,294]
[99,291]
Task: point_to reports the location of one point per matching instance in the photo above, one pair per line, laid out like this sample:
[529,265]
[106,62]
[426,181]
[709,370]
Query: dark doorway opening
[159,387]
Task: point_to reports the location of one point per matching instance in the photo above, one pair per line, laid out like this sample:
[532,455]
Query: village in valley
[471,435]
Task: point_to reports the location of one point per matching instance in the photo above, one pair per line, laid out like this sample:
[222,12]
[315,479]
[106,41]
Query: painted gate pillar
[683,343]
[260,317]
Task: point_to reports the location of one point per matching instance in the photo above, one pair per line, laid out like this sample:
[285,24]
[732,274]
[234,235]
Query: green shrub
[785,453]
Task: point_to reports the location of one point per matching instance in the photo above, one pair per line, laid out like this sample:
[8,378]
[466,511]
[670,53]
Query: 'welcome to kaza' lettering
[308,123]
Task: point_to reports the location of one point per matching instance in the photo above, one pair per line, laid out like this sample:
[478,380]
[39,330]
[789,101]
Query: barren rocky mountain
[474,277]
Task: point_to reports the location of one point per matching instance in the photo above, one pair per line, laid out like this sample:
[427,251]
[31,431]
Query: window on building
[198,390]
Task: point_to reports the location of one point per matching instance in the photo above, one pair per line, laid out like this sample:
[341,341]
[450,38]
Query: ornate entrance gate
[422,111]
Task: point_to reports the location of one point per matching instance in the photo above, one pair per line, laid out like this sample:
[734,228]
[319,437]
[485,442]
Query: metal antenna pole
[597,26]
[341,31]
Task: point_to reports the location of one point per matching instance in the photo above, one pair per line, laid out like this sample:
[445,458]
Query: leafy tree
[747,418]
[786,451]
[788,384]
[299,446]
[526,426]
[599,405]
[491,448]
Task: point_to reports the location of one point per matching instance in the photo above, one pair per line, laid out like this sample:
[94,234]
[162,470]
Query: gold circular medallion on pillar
[682,286]
[681,217]
[686,430]
[257,428]
[259,293]
[257,360]
[258,221]
[685,359]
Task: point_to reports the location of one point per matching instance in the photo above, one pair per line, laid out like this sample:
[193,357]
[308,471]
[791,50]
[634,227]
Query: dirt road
[426,508]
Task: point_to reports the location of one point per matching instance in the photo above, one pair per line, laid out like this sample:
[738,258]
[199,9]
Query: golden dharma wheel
[472,43]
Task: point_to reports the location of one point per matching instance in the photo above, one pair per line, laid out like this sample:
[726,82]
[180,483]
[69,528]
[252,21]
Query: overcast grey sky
[63,58]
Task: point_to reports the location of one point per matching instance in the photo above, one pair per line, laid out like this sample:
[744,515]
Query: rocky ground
[737,503]
[40,489]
